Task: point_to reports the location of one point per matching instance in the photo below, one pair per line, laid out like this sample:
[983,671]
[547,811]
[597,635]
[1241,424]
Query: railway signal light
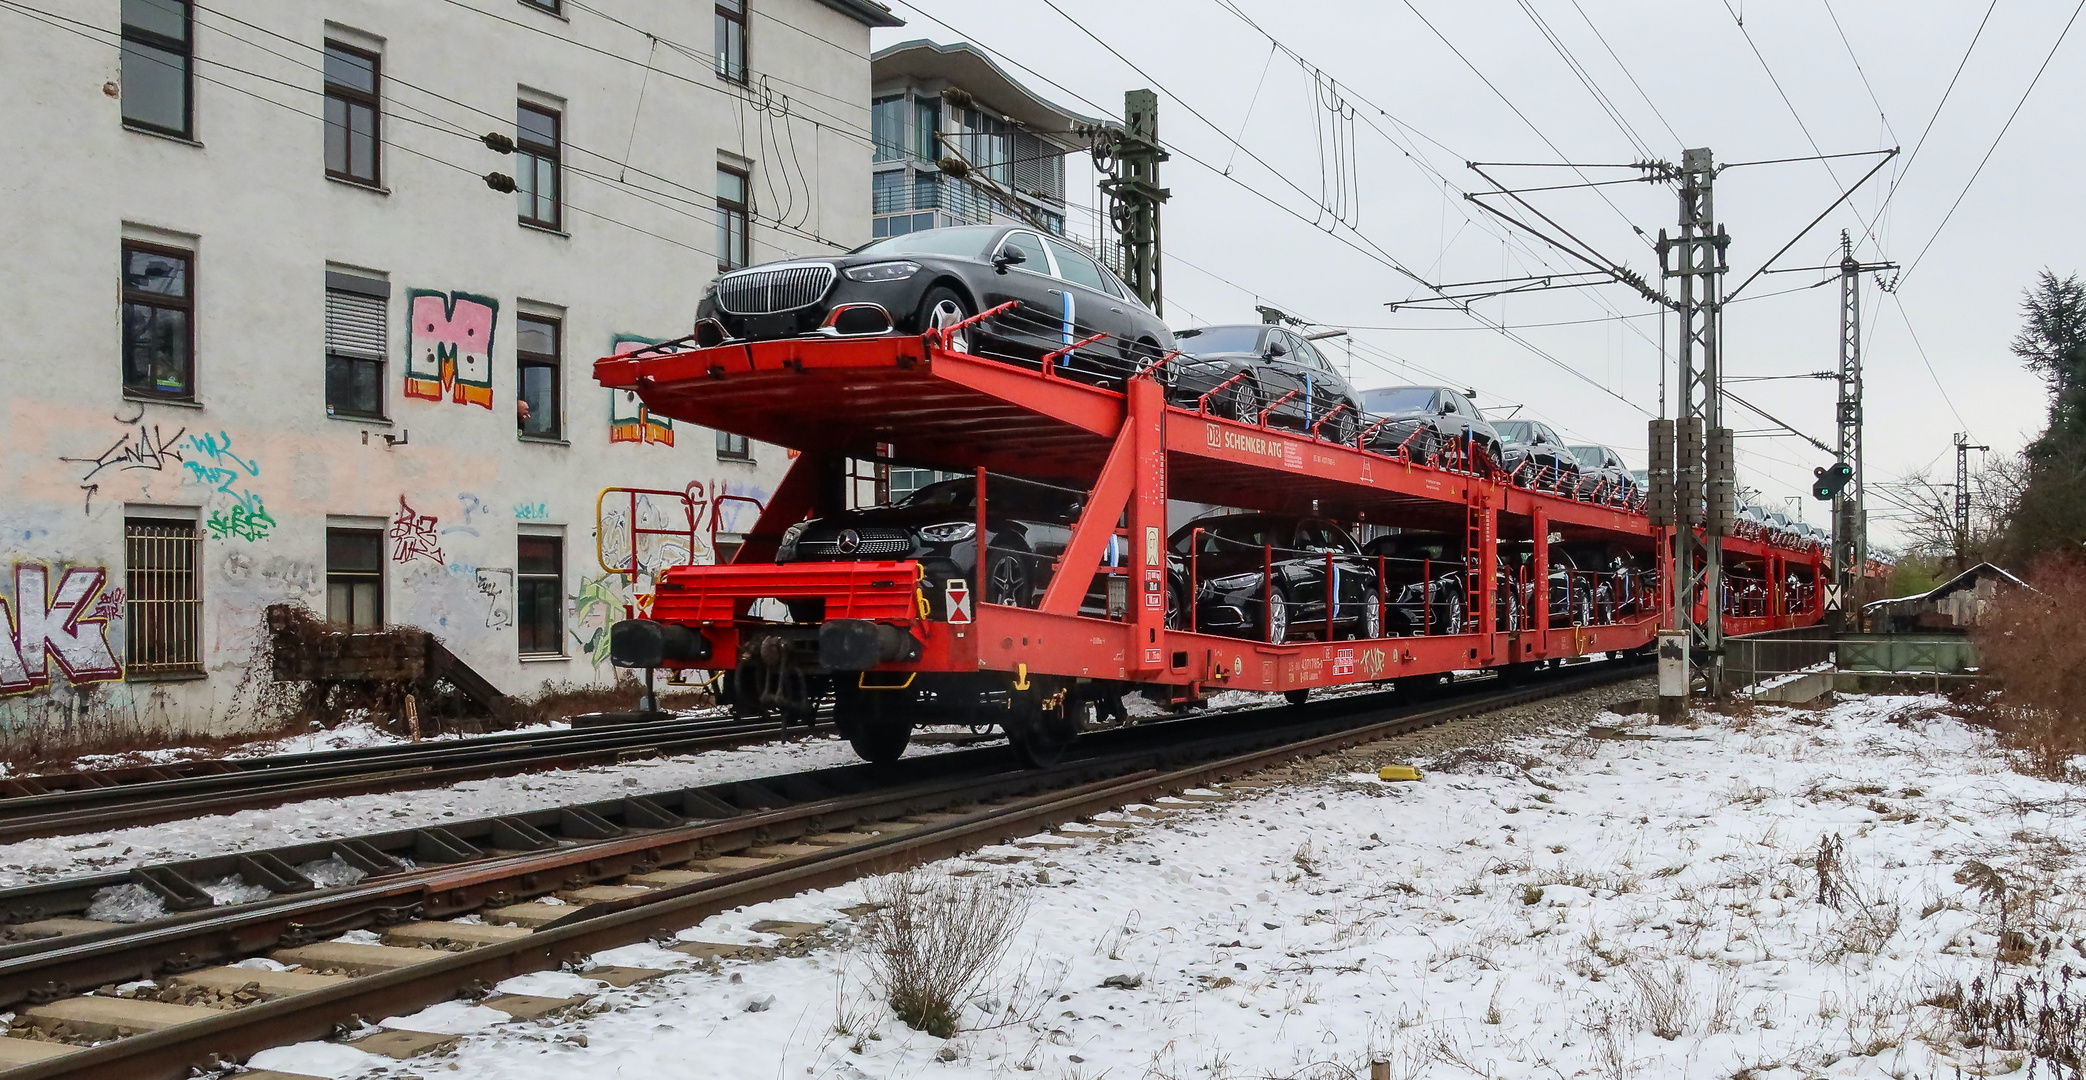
[1831,481]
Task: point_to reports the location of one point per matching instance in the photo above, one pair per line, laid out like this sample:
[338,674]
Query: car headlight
[1235,581]
[790,536]
[885,271]
[950,532]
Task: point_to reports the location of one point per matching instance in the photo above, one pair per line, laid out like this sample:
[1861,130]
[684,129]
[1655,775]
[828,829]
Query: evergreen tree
[2051,515]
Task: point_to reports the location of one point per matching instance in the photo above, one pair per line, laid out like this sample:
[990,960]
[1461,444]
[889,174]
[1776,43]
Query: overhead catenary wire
[1989,150]
[450,127]
[1352,238]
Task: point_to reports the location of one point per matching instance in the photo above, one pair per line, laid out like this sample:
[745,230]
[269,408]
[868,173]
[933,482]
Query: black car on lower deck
[1027,526]
[1251,367]
[1426,420]
[1424,582]
[937,278]
[1268,576]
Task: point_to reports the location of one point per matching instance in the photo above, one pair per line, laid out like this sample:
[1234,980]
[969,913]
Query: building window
[159,332]
[555,7]
[157,64]
[353,110]
[355,577]
[536,352]
[887,127]
[733,447]
[927,127]
[731,40]
[536,166]
[734,217]
[357,311]
[539,584]
[163,598]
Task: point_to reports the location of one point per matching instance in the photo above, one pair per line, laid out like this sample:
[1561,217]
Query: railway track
[61,804]
[557,885]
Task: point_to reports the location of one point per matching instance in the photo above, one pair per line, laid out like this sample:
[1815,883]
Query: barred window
[163,600]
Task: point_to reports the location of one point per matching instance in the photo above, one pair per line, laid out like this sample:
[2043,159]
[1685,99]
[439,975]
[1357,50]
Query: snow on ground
[32,861]
[1557,906]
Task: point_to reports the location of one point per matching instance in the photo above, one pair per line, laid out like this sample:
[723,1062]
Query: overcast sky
[1413,113]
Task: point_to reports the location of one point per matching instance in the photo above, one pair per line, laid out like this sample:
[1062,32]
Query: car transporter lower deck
[895,649]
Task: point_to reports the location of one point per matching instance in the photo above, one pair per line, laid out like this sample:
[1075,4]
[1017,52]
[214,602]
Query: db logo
[959,600]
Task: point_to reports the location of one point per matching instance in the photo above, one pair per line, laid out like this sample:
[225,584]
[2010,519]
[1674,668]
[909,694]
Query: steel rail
[151,801]
[236,1034]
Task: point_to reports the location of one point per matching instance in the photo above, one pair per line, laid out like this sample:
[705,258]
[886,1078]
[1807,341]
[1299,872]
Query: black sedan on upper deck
[1426,420]
[938,278]
[1249,368]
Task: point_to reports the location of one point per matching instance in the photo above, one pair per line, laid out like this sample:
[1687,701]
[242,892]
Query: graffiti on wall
[497,586]
[597,606]
[413,536]
[449,347]
[628,419]
[531,511]
[148,448]
[70,628]
[213,463]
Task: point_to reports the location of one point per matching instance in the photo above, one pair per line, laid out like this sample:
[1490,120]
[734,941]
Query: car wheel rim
[1454,622]
[947,315]
[1372,617]
[1006,583]
[1278,620]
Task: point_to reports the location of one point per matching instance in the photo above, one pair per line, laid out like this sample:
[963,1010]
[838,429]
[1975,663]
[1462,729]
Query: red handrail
[1202,404]
[1277,404]
[1157,364]
[1337,410]
[1051,358]
[939,336]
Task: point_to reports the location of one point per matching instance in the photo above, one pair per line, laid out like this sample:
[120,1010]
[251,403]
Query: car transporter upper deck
[1114,612]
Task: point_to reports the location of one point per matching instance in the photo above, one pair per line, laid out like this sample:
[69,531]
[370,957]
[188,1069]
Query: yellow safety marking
[862,682]
[1021,676]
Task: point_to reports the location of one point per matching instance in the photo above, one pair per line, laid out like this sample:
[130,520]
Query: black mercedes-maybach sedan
[1248,369]
[937,278]
[1027,526]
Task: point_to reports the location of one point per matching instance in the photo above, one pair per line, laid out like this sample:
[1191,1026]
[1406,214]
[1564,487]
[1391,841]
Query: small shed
[1955,605]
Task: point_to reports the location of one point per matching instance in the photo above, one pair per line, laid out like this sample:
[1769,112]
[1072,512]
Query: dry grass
[2031,646]
[936,940]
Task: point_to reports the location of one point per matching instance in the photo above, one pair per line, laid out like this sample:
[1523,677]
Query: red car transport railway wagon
[1117,609]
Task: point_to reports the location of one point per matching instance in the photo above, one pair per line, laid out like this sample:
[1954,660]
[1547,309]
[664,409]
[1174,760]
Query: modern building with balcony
[932,102]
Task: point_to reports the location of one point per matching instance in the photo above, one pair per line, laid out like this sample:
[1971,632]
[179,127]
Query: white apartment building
[300,302]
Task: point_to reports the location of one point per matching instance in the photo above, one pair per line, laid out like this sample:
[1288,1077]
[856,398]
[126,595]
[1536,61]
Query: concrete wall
[256,461]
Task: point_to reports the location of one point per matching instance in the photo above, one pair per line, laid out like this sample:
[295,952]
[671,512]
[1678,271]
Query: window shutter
[355,324]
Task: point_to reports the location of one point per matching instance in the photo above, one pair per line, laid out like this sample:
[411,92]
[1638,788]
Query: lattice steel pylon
[1850,514]
[1705,484]
[1128,158]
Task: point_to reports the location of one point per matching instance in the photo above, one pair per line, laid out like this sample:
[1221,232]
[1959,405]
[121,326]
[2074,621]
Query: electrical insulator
[1659,502]
[1723,483]
[1687,472]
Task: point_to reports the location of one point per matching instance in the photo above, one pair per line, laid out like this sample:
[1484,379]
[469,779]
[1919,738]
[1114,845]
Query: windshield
[1235,534]
[945,494]
[1589,456]
[1210,340]
[963,241]
[1399,399]
[1515,430]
